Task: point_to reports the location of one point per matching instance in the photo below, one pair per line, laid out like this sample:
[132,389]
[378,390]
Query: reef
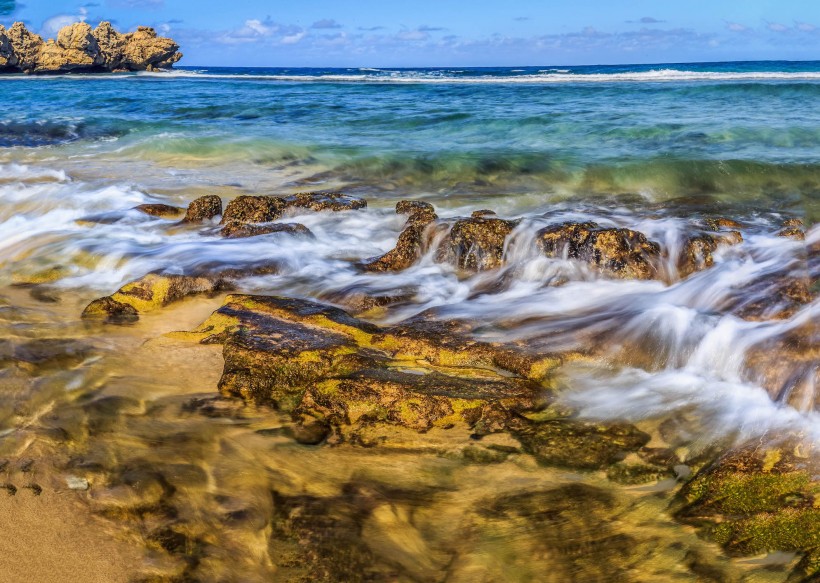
[80,49]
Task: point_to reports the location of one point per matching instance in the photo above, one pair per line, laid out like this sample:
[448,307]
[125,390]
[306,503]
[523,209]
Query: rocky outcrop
[203,208]
[79,48]
[411,243]
[476,243]
[621,253]
[246,216]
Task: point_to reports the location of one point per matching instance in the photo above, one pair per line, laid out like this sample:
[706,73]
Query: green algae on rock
[759,498]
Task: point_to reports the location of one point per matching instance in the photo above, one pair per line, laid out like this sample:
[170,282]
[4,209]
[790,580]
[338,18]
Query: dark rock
[324,201]
[322,364]
[578,444]
[476,244]
[164,211]
[236,230]
[719,223]
[203,208]
[697,251]
[795,233]
[568,530]
[621,253]
[253,209]
[411,243]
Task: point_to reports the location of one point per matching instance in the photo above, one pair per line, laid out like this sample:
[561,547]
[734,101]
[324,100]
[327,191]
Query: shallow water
[215,490]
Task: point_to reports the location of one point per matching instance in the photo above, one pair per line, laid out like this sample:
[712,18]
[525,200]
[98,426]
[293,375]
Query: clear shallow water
[653,149]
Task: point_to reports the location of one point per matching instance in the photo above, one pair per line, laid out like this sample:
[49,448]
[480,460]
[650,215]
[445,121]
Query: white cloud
[777,27]
[292,39]
[736,27]
[805,27]
[53,25]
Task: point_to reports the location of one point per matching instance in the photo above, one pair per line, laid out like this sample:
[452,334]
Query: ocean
[658,149]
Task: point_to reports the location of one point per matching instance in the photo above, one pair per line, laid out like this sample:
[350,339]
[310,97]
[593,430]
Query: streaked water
[656,149]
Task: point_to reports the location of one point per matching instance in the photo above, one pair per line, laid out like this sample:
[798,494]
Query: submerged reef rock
[757,499]
[78,48]
[410,246]
[621,253]
[330,369]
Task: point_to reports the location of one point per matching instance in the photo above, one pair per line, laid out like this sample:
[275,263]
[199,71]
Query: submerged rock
[697,251]
[150,293]
[621,253]
[236,230]
[164,211]
[759,498]
[477,243]
[265,209]
[411,243]
[579,444]
[78,48]
[203,208]
[320,362]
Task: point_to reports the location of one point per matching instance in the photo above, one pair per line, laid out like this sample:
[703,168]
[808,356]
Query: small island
[81,49]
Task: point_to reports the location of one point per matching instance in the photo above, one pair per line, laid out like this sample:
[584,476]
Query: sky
[384,33]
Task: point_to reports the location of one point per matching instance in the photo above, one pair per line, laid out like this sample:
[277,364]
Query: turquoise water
[738,131]
[658,149]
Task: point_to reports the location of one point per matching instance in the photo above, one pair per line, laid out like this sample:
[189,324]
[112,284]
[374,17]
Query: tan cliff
[79,48]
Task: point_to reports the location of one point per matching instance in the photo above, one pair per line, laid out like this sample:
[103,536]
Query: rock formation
[79,48]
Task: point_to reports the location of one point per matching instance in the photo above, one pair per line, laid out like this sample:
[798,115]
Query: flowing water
[132,413]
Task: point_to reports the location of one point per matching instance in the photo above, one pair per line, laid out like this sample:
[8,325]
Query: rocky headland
[80,49]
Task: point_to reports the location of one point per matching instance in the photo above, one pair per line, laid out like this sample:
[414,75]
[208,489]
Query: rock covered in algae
[203,208]
[328,368]
[78,48]
[476,243]
[411,243]
[760,498]
[621,253]
[320,362]
[163,211]
[149,293]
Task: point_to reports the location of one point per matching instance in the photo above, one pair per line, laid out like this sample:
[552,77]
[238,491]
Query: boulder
[203,208]
[621,253]
[476,243]
[697,250]
[411,243]
[143,50]
[253,209]
[75,49]
[112,46]
[26,46]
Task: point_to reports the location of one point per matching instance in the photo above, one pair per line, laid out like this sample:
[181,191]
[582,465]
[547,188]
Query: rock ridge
[80,49]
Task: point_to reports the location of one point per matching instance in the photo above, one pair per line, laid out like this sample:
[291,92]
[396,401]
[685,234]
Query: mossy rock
[757,499]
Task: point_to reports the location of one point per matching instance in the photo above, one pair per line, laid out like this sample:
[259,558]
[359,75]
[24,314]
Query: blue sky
[382,33]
